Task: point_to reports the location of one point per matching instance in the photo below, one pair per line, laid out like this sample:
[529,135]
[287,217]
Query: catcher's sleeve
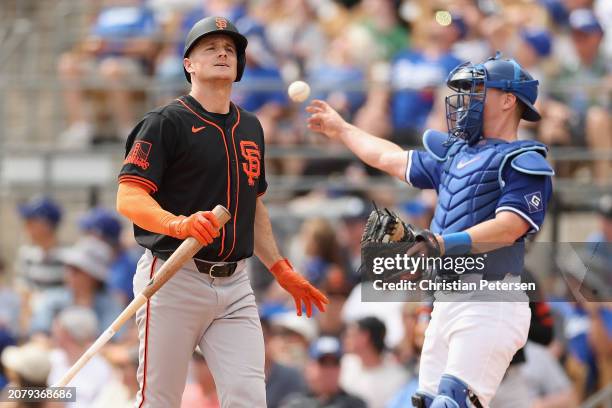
[423,171]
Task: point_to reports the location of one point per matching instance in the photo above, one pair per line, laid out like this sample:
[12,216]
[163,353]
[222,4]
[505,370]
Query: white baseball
[298,91]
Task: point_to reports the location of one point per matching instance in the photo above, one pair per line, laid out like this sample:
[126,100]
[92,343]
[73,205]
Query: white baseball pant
[219,315]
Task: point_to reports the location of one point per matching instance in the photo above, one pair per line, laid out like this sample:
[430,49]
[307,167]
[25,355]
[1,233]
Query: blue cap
[458,21]
[557,11]
[539,39]
[325,346]
[269,309]
[584,20]
[6,339]
[102,222]
[414,208]
[42,208]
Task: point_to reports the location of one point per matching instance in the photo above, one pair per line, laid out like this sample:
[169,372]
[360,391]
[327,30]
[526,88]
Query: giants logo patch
[534,202]
[250,152]
[139,154]
[221,23]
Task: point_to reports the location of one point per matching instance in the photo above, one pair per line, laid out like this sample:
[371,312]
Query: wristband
[457,243]
[280,266]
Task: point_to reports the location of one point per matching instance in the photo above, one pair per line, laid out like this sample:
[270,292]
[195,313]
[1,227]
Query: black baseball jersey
[192,160]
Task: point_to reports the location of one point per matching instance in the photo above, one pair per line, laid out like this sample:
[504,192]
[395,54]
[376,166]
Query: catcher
[492,189]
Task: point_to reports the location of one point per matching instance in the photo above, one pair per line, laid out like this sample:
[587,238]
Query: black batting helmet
[216,25]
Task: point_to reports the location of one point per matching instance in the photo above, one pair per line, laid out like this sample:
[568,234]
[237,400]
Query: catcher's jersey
[193,160]
[476,182]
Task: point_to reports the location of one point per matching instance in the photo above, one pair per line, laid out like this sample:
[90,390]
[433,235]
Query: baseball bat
[183,253]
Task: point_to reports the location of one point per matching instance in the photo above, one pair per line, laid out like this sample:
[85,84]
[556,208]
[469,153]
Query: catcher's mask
[465,107]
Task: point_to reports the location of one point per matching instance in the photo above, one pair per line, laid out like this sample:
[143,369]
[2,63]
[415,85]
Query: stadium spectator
[381,20]
[87,264]
[367,371]
[119,49]
[547,383]
[339,78]
[323,264]
[261,89]
[352,223]
[417,212]
[123,387]
[105,225]
[389,311]
[580,110]
[10,308]
[416,320]
[27,366]
[322,374]
[295,35]
[201,393]
[281,380]
[291,337]
[6,339]
[74,329]
[415,74]
[600,241]
[38,264]
[588,333]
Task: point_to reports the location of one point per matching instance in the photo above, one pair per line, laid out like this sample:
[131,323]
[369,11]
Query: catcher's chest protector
[471,180]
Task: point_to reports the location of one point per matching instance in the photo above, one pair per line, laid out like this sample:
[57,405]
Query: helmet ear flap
[241,65]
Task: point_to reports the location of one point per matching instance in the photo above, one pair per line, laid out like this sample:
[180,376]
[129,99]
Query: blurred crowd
[382,63]
[60,298]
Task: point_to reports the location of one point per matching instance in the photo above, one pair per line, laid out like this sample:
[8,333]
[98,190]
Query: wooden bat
[183,253]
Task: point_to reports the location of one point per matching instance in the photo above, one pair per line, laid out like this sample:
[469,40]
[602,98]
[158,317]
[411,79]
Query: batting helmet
[464,109]
[216,25]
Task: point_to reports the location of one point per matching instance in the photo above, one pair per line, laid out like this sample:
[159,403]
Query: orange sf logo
[250,152]
[221,23]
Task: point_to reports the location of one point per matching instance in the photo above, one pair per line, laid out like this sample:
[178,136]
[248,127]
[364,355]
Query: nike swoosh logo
[461,165]
[196,130]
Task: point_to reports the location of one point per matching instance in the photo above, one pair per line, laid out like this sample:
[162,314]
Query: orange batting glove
[202,225]
[298,287]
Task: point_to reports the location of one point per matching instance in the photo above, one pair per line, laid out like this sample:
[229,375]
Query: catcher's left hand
[301,290]
[385,226]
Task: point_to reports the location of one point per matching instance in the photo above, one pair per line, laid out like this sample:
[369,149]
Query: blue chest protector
[471,185]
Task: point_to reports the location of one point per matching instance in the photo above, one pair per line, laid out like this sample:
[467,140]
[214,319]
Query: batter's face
[214,58]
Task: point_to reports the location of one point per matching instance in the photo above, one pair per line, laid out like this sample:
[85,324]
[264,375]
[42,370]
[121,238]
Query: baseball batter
[182,159]
[491,188]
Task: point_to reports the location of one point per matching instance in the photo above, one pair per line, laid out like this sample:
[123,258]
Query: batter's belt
[212,269]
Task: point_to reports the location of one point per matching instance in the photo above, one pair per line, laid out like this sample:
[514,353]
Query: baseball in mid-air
[298,91]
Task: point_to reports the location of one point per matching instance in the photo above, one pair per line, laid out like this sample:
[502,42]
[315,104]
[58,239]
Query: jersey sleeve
[423,171]
[525,195]
[149,149]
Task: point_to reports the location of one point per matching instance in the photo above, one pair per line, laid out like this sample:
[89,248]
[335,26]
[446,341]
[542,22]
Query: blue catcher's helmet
[464,108]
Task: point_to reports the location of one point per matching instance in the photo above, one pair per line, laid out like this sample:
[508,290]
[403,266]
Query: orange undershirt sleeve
[135,202]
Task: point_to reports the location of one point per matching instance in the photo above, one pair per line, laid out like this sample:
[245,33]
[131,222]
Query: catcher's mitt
[385,226]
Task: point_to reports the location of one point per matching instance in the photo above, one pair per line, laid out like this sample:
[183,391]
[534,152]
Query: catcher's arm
[502,230]
[372,150]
